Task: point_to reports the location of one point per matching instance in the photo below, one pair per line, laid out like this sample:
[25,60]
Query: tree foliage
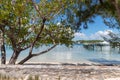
[27,25]
[83,12]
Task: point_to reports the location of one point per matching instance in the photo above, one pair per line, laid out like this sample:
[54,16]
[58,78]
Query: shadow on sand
[105,61]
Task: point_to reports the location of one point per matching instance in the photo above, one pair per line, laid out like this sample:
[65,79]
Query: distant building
[104,43]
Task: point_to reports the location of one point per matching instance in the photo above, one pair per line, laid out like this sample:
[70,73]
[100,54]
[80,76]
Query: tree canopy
[83,12]
[27,24]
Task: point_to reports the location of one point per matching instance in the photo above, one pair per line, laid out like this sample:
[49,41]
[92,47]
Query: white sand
[113,78]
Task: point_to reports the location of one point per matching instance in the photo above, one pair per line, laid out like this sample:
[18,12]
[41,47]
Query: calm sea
[77,54]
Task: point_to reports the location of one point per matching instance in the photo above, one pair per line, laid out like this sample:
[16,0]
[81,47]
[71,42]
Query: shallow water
[77,54]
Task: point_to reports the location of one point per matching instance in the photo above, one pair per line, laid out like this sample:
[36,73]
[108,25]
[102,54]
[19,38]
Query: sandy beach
[64,71]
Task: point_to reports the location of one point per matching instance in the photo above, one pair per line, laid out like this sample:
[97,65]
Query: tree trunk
[116,4]
[26,59]
[3,52]
[14,57]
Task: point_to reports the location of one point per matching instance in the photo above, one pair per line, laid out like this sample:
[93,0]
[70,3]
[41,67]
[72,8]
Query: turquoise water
[77,54]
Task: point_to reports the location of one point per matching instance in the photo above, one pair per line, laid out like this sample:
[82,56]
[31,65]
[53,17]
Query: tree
[110,13]
[28,25]
[83,12]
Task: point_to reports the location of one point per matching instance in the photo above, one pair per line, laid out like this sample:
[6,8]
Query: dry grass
[30,77]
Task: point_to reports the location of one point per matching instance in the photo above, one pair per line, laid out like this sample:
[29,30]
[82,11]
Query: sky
[94,31]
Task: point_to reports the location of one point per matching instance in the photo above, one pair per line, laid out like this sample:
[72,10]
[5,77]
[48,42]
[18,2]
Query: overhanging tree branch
[115,2]
[37,37]
[37,9]
[26,47]
[37,54]
[101,2]
[41,29]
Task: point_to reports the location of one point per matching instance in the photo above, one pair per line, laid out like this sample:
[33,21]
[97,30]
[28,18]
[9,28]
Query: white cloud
[80,36]
[96,36]
[104,33]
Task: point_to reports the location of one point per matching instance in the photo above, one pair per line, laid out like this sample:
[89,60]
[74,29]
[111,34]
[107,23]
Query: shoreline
[57,64]
[67,63]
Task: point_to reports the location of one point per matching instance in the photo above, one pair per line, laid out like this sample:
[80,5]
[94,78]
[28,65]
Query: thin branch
[41,29]
[52,37]
[62,8]
[39,33]
[57,13]
[19,25]
[101,2]
[12,37]
[37,9]
[37,54]
[37,37]
[117,8]
[26,47]
[23,40]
